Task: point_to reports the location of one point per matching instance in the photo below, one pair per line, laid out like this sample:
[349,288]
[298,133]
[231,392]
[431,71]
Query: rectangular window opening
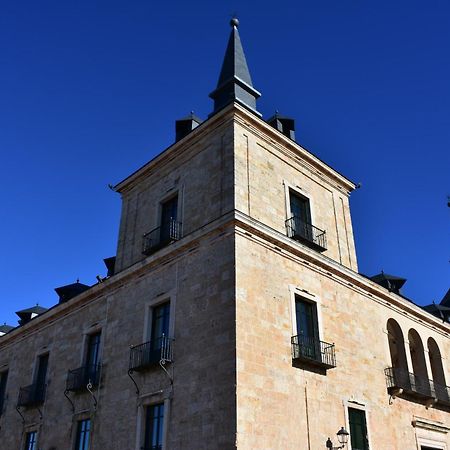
[154,427]
[3,382]
[31,440]
[358,429]
[83,434]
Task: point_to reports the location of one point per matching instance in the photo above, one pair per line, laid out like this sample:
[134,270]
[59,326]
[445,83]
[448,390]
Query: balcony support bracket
[162,363]
[130,372]
[70,401]
[89,387]
[21,415]
[40,413]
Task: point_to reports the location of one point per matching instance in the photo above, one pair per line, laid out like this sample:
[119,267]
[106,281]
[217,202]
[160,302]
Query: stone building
[233,315]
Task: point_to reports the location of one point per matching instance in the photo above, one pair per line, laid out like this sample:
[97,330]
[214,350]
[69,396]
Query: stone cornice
[332,269]
[102,290]
[260,127]
[292,149]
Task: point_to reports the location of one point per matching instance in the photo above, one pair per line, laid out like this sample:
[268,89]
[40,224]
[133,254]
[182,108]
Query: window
[154,427]
[3,381]
[41,377]
[168,229]
[169,215]
[306,344]
[31,440]
[358,429]
[299,223]
[83,434]
[93,358]
[160,330]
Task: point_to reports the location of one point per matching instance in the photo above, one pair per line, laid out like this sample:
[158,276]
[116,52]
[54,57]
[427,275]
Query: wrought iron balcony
[313,352]
[150,353]
[32,395]
[161,236]
[306,233]
[411,384]
[79,379]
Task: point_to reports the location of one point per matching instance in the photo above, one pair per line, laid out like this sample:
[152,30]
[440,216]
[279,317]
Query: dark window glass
[307,328]
[83,434]
[93,358]
[3,381]
[93,350]
[160,324]
[154,426]
[300,207]
[31,440]
[169,212]
[358,429]
[41,374]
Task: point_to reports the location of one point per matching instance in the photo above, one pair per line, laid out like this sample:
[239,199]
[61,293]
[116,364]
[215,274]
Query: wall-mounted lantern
[342,436]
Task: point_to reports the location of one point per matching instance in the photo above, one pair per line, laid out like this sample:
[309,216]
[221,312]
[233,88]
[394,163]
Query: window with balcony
[3,382]
[34,394]
[169,229]
[159,346]
[83,434]
[358,429]
[440,388]
[31,440]
[299,224]
[88,374]
[307,348]
[154,427]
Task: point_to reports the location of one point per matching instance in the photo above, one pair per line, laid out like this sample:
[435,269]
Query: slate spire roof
[235,83]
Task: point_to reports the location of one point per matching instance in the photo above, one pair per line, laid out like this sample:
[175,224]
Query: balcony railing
[161,236]
[306,233]
[32,395]
[151,353]
[411,384]
[78,379]
[313,351]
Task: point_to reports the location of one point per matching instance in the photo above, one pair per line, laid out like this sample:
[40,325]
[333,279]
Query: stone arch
[397,345]
[419,365]
[437,370]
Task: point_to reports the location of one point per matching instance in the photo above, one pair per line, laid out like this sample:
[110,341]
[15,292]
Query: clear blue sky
[90,90]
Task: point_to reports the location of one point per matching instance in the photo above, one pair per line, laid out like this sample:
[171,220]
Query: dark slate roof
[70,291]
[442,312]
[390,282]
[110,263]
[33,310]
[6,328]
[235,83]
[446,300]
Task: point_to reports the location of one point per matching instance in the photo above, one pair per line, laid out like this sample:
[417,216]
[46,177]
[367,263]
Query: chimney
[184,126]
[283,124]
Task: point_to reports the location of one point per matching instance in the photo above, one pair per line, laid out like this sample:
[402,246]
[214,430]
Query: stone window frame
[430,433]
[146,400]
[160,299]
[296,291]
[362,406]
[42,352]
[302,192]
[78,417]
[30,429]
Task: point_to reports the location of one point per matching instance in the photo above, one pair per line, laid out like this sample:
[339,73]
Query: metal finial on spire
[235,83]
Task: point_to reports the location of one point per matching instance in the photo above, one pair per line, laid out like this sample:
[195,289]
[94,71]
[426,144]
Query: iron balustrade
[79,379]
[313,351]
[150,353]
[31,395]
[161,236]
[307,233]
[415,385]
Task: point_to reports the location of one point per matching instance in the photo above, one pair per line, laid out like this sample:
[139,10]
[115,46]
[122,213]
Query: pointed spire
[235,82]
